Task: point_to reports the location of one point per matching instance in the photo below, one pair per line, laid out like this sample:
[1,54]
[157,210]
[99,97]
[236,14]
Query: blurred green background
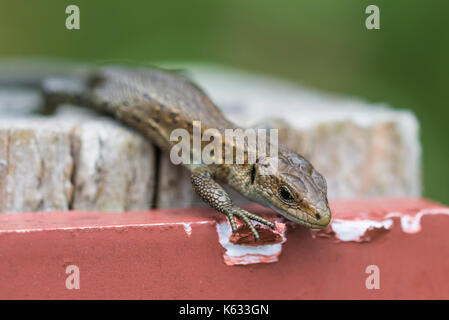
[319,43]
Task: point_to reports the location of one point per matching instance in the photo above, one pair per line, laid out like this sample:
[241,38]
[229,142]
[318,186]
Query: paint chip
[237,254]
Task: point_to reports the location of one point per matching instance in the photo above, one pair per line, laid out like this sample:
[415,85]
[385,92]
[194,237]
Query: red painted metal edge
[176,254]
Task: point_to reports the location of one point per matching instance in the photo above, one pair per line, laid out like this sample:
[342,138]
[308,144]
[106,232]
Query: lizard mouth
[306,223]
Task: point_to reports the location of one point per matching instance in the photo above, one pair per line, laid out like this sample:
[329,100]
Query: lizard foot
[246,217]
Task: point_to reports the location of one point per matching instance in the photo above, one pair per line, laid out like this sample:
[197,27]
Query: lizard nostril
[317,216]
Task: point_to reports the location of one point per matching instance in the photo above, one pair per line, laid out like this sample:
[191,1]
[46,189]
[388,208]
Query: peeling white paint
[244,254]
[412,223]
[354,230]
[188,229]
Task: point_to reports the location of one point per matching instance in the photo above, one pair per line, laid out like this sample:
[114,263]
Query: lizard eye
[285,193]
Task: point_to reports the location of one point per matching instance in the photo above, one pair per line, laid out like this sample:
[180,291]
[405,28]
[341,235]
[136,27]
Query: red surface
[149,255]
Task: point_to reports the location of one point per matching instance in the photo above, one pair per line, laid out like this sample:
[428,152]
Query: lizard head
[292,187]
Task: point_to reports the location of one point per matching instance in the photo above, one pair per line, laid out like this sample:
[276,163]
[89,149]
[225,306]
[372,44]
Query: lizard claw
[257,218]
[251,227]
[232,222]
[246,217]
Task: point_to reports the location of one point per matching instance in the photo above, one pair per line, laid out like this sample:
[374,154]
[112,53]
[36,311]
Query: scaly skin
[155,103]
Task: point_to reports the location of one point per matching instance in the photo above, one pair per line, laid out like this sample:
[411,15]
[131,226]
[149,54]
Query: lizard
[155,102]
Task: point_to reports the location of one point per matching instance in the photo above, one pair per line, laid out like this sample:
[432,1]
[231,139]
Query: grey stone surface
[114,168]
[36,165]
[174,188]
[73,160]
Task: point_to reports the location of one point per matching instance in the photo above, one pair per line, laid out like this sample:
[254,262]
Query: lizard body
[155,103]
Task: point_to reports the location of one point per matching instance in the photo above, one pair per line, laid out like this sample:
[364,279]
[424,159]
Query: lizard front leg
[213,194]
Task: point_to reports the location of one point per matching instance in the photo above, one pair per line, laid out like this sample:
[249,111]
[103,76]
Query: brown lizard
[156,102]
